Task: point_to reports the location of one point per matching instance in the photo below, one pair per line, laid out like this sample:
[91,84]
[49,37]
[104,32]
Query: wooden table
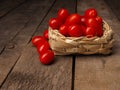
[20,68]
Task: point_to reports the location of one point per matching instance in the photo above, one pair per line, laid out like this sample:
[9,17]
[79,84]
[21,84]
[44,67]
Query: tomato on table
[41,48]
[47,57]
[36,40]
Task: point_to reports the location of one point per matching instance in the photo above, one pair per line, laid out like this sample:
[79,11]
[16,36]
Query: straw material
[62,45]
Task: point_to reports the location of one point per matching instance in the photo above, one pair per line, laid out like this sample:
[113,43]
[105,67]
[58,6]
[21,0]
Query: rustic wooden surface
[7,6]
[115,6]
[98,72]
[20,68]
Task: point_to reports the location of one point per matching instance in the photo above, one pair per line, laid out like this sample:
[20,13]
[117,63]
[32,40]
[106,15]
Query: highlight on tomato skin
[70,25]
[62,14]
[75,31]
[47,57]
[36,40]
[45,34]
[92,22]
[99,20]
[73,19]
[91,13]
[54,23]
[83,20]
[41,48]
[90,32]
[63,30]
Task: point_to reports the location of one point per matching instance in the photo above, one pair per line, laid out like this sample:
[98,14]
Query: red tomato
[45,34]
[61,22]
[41,48]
[91,13]
[83,20]
[63,13]
[99,32]
[92,22]
[36,40]
[99,19]
[75,31]
[47,57]
[54,23]
[64,30]
[73,19]
[83,29]
[90,32]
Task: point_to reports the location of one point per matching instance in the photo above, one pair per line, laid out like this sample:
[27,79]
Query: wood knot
[10,46]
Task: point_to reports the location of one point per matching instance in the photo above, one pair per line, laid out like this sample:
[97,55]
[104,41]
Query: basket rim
[93,40]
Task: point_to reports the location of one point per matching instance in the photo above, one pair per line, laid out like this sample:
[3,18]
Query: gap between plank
[10,71]
[12,9]
[73,72]
[2,50]
[22,28]
[42,21]
[15,35]
[73,59]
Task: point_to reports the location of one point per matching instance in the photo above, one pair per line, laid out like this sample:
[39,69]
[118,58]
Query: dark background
[115,5]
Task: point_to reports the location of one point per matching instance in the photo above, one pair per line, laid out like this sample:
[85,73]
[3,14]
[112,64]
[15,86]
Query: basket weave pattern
[62,45]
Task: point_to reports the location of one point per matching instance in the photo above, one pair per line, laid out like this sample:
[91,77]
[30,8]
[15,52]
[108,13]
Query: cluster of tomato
[69,25]
[75,25]
[46,55]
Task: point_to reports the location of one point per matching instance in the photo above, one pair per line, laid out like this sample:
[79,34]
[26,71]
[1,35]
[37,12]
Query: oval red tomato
[92,22]
[47,57]
[83,29]
[36,40]
[83,20]
[73,19]
[64,30]
[75,31]
[43,47]
[54,23]
[90,32]
[99,32]
[99,20]
[45,34]
[91,13]
[63,14]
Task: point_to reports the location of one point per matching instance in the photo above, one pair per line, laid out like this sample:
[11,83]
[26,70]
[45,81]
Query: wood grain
[115,5]
[99,72]
[6,6]
[13,49]
[30,74]
[12,24]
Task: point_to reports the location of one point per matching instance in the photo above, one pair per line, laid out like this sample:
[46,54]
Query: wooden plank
[115,5]
[99,72]
[6,6]
[13,50]
[12,24]
[29,73]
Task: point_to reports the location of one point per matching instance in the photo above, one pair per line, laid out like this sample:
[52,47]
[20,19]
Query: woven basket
[62,45]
